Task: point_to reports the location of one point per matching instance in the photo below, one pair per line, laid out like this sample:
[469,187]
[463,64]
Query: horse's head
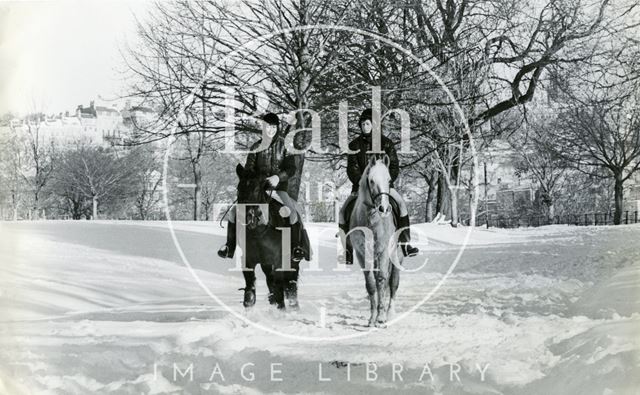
[376,184]
[251,192]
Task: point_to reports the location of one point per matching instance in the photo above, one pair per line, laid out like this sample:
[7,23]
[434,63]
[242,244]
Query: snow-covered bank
[109,308]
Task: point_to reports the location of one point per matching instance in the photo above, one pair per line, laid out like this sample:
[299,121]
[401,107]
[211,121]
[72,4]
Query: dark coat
[272,161]
[356,163]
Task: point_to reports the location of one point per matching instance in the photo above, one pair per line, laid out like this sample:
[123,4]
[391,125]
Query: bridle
[263,188]
[373,197]
[263,195]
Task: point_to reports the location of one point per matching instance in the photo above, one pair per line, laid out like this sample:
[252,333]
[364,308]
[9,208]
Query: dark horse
[263,243]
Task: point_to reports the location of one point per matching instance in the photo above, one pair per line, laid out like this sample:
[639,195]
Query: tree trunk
[302,98]
[207,210]
[141,211]
[454,207]
[300,140]
[36,211]
[295,181]
[197,180]
[428,212]
[94,202]
[75,207]
[14,203]
[618,189]
[442,200]
[453,192]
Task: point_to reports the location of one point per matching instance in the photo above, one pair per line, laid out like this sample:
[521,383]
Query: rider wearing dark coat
[277,166]
[356,164]
[272,161]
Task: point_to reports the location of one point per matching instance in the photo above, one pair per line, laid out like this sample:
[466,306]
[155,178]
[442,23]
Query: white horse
[372,235]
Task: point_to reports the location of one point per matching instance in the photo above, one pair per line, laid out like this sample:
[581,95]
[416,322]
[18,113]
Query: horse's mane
[365,177]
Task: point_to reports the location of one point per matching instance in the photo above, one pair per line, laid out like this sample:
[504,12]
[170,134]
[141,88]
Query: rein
[227,211]
[373,197]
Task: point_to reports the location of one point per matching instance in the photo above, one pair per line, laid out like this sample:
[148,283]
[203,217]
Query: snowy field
[109,307]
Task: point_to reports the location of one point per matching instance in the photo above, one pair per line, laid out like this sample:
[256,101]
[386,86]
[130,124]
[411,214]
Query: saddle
[395,209]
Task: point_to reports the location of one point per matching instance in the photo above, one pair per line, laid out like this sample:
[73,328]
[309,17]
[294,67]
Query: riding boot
[405,237]
[229,249]
[348,250]
[300,244]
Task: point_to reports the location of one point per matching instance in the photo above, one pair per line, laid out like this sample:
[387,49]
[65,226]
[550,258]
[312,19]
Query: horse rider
[356,164]
[277,165]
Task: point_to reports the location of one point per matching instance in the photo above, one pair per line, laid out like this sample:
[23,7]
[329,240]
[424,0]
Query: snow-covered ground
[109,307]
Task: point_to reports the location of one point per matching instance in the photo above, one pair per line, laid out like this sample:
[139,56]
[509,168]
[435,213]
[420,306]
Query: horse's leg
[383,280]
[279,286]
[249,285]
[394,282]
[273,255]
[268,273]
[286,287]
[382,286]
[370,283]
[370,280]
[291,286]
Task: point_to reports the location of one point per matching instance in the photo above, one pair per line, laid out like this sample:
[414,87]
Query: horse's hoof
[271,298]
[381,324]
[249,298]
[291,295]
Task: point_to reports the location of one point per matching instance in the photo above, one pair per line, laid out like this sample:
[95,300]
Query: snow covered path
[110,308]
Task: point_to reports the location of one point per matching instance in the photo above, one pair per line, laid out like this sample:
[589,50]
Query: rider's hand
[273,180]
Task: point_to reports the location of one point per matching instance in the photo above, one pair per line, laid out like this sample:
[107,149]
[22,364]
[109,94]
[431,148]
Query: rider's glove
[273,180]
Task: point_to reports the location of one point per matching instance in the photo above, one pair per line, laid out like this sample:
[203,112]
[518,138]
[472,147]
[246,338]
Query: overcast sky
[61,53]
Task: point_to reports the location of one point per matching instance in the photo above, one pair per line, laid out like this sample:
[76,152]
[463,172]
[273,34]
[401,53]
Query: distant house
[93,124]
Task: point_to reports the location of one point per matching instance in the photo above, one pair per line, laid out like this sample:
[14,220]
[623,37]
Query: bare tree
[94,175]
[188,52]
[492,56]
[536,158]
[601,130]
[12,167]
[39,155]
[147,180]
